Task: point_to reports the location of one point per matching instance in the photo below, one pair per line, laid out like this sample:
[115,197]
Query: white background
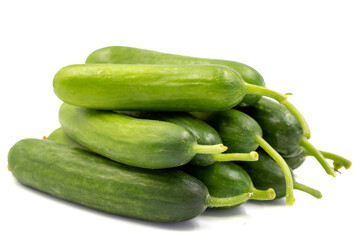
[309,48]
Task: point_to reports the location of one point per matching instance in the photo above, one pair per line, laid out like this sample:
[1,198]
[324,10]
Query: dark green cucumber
[136,142]
[204,134]
[284,133]
[88,179]
[158,88]
[129,55]
[243,134]
[265,173]
[226,179]
[59,136]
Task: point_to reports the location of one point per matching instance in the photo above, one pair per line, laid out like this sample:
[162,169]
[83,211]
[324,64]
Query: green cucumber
[284,133]
[129,55]
[88,179]
[136,142]
[242,133]
[227,179]
[204,134]
[158,88]
[265,173]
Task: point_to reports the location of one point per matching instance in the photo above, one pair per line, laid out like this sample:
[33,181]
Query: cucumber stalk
[313,192]
[226,157]
[339,161]
[290,199]
[268,194]
[282,99]
[209,149]
[312,151]
[227,202]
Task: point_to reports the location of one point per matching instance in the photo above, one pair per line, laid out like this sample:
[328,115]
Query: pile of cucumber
[162,137]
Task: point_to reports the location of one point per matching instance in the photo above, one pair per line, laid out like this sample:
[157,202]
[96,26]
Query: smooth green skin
[59,136]
[149,87]
[227,179]
[136,142]
[204,133]
[236,129]
[280,129]
[96,182]
[296,161]
[129,55]
[266,173]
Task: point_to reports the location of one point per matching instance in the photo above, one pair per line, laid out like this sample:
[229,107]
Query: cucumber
[129,55]
[204,134]
[136,142]
[158,88]
[265,173]
[242,133]
[284,133]
[226,179]
[88,179]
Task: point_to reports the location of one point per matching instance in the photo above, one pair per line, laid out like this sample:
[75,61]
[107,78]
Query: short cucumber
[265,173]
[129,55]
[136,142]
[227,179]
[242,133]
[204,134]
[284,133]
[158,88]
[88,179]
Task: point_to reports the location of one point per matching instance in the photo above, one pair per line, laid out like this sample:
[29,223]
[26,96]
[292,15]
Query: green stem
[290,199]
[282,99]
[268,194]
[313,192]
[209,149]
[226,157]
[312,151]
[227,202]
[337,159]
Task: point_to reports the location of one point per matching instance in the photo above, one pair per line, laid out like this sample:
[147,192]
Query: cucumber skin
[59,136]
[222,179]
[129,55]
[236,129]
[135,142]
[96,182]
[149,87]
[265,173]
[204,133]
[280,129]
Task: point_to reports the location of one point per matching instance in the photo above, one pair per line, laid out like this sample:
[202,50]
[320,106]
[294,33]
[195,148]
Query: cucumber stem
[209,149]
[339,161]
[227,202]
[290,199]
[226,157]
[282,99]
[268,194]
[313,192]
[312,151]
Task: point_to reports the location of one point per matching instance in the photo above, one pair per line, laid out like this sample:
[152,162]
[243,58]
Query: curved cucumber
[88,179]
[136,142]
[129,55]
[59,136]
[265,173]
[282,130]
[159,88]
[227,180]
[204,134]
